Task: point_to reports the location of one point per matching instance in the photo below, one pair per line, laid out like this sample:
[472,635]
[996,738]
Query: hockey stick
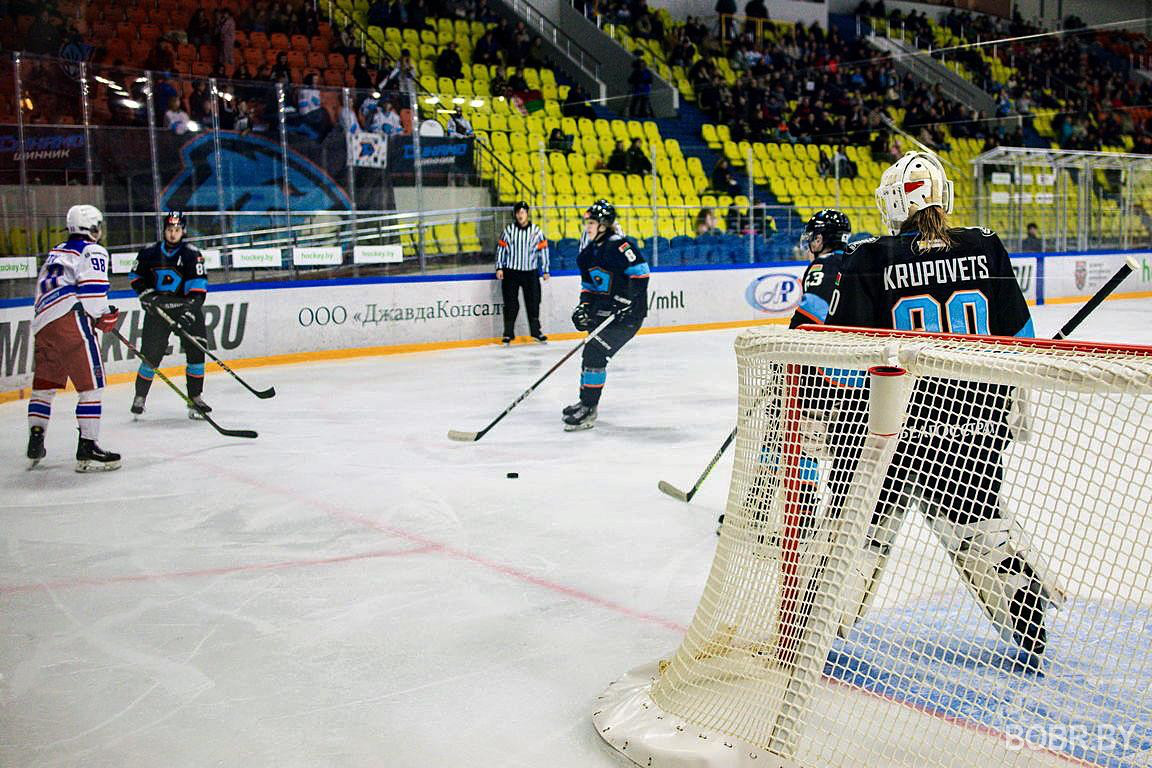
[184,396]
[263,394]
[1130,264]
[676,493]
[471,437]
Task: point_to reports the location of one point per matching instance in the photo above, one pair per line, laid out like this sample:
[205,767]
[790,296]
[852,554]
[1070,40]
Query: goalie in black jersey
[930,276]
[613,282]
[169,277]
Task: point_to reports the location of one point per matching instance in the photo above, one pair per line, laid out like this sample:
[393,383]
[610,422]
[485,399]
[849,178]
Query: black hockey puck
[513,475]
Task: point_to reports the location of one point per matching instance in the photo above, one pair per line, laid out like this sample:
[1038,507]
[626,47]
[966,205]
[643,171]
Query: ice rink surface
[352,588]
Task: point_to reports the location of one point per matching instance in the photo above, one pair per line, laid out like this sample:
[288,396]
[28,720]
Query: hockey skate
[540,338]
[36,450]
[506,341]
[138,405]
[201,408]
[571,409]
[92,458]
[584,417]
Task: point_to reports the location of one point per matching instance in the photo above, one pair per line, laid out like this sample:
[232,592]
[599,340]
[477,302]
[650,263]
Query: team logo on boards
[774,292]
[1081,274]
[251,179]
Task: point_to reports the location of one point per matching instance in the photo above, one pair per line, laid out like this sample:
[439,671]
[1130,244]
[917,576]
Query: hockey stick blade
[673,491]
[471,437]
[263,394]
[248,433]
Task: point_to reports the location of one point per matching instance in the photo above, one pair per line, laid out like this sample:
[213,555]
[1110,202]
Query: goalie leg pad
[1001,576]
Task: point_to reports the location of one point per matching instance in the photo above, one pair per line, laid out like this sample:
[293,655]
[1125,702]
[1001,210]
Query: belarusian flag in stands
[529,101]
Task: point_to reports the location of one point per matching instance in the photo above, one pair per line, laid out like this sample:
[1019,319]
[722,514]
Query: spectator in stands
[226,38]
[1032,242]
[280,68]
[558,141]
[640,105]
[401,80]
[417,14]
[448,63]
[577,104]
[638,162]
[706,223]
[757,13]
[389,120]
[200,30]
[360,74]
[279,18]
[310,110]
[226,107]
[377,15]
[726,9]
[536,57]
[516,81]
[162,58]
[722,179]
[736,220]
[176,119]
[486,51]
[200,102]
[346,41]
[618,160]
[498,86]
[458,126]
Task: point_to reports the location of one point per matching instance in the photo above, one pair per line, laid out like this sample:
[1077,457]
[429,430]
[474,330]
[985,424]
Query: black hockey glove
[621,307]
[148,298]
[582,318]
[180,310]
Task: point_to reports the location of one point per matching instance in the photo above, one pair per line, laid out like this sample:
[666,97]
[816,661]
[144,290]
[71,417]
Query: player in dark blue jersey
[169,276]
[613,281]
[824,239]
[930,276]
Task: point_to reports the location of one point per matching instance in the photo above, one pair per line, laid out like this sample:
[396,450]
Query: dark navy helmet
[603,212]
[832,224]
[176,217]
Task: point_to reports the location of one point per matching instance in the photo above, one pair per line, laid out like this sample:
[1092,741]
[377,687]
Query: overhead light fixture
[433,99]
[226,96]
[193,126]
[105,80]
[445,111]
[130,103]
[142,79]
[458,99]
[476,103]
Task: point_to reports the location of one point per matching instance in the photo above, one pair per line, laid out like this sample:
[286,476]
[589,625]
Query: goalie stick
[471,437]
[184,395]
[263,394]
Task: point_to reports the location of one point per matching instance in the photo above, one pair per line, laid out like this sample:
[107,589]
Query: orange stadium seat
[317,60]
[300,43]
[279,41]
[337,61]
[258,40]
[207,52]
[318,44]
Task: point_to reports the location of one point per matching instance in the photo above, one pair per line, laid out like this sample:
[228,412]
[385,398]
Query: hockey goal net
[936,551]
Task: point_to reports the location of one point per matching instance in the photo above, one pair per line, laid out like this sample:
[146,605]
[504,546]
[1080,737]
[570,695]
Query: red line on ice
[167,576]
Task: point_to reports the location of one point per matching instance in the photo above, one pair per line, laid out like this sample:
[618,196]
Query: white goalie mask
[913,183]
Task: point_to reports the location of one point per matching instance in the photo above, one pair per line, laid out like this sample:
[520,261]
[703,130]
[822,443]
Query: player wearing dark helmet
[169,278]
[613,283]
[824,239]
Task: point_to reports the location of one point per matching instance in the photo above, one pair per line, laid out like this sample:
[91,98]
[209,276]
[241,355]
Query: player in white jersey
[71,304]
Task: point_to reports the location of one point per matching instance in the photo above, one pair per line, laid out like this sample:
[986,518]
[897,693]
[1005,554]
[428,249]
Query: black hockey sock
[144,379]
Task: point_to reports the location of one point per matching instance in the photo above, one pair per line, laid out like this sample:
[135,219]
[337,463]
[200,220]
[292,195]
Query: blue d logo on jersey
[167,280]
[601,280]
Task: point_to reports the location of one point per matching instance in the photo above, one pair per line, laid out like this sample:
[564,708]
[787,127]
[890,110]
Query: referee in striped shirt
[521,259]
